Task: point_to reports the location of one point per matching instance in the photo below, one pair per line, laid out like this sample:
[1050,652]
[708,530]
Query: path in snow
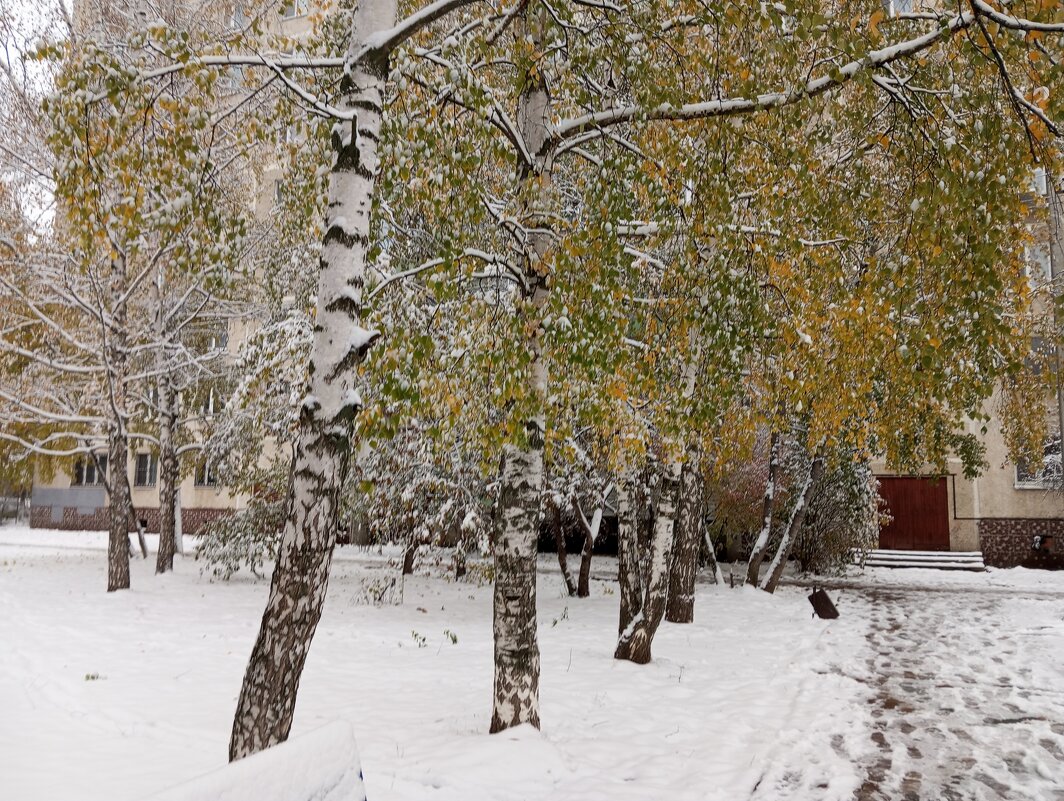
[969,696]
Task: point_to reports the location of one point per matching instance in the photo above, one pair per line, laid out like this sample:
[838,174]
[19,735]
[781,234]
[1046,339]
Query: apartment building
[73,497]
[1013,513]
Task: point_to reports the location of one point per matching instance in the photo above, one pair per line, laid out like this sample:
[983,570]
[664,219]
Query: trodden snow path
[122,696]
[969,702]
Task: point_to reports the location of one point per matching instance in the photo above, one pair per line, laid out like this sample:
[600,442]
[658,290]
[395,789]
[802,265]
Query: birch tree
[569,84]
[876,106]
[328,411]
[135,175]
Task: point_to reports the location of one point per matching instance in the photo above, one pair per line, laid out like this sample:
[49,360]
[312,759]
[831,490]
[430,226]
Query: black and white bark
[460,559]
[169,468]
[688,542]
[591,531]
[794,525]
[135,522]
[326,423]
[516,685]
[636,639]
[118,512]
[760,548]
[711,552]
[117,363]
[629,574]
[408,558]
[169,476]
[558,529]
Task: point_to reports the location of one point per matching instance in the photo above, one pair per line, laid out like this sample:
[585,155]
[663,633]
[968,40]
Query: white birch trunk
[591,532]
[688,540]
[757,554]
[635,641]
[711,550]
[515,698]
[118,512]
[168,462]
[179,541]
[118,499]
[168,479]
[559,545]
[794,525]
[629,576]
[323,445]
[516,690]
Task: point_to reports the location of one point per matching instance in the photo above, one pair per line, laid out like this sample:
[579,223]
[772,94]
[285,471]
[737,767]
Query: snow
[1005,580]
[133,692]
[359,339]
[320,766]
[967,681]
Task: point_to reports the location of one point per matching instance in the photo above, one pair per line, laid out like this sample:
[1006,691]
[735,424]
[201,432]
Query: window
[295,8]
[239,18]
[1038,181]
[1047,474]
[1036,264]
[212,403]
[146,471]
[86,473]
[205,475]
[219,339]
[234,78]
[895,7]
[1041,356]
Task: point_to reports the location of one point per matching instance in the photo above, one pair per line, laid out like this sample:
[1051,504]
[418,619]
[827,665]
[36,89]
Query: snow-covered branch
[723,107]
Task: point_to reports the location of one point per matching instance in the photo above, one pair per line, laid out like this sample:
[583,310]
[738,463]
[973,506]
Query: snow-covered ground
[969,701]
[930,685]
[124,695]
[1010,580]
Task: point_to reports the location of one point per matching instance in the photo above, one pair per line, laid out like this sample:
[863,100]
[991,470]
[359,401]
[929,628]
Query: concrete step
[936,560]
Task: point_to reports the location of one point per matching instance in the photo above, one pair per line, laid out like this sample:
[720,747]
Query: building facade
[1013,515]
[74,497]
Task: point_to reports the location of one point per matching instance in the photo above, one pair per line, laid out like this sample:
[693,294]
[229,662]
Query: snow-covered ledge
[322,765]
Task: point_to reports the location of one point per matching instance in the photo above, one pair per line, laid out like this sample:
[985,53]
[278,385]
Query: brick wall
[1007,542]
[192,519]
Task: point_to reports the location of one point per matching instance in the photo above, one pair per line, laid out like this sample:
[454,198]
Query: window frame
[295,9]
[152,470]
[205,475]
[1039,480]
[85,468]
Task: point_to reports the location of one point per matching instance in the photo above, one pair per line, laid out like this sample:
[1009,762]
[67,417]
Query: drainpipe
[1056,256]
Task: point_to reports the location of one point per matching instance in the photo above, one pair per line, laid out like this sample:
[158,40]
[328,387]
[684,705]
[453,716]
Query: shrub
[247,538]
[844,515]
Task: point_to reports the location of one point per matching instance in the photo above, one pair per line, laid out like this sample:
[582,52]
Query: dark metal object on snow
[822,605]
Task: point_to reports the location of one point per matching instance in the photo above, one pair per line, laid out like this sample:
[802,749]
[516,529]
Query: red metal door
[920,512]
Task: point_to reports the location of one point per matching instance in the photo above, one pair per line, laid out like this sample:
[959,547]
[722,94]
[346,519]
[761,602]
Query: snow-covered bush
[384,590]
[247,538]
[418,489]
[844,515]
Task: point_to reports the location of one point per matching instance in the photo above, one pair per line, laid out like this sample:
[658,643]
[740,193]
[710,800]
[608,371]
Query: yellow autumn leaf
[873,22]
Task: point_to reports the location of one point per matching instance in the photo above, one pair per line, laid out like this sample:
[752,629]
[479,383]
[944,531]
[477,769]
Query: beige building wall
[57,502]
[996,513]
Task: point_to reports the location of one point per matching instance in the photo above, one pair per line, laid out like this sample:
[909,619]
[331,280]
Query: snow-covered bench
[322,765]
